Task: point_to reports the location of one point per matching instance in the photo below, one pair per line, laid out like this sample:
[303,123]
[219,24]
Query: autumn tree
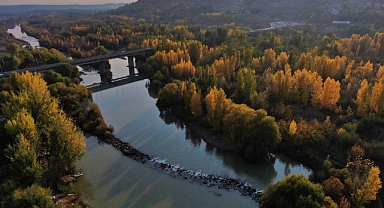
[305,61]
[306,86]
[363,182]
[363,99]
[268,60]
[35,122]
[330,94]
[196,105]
[377,99]
[184,70]
[216,104]
[281,84]
[333,187]
[292,128]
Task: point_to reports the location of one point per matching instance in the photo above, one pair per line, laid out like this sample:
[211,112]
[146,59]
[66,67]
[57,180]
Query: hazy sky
[61,2]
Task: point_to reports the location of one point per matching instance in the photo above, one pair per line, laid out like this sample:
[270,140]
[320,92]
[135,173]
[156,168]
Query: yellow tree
[282,60]
[30,104]
[369,189]
[216,104]
[331,94]
[184,70]
[281,83]
[306,86]
[377,99]
[195,104]
[269,59]
[363,99]
[31,93]
[292,128]
[380,73]
[305,61]
[364,181]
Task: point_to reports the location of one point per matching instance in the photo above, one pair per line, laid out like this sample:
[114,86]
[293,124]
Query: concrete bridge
[79,62]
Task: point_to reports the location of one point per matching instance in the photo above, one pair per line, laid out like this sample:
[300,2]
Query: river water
[113,180]
[23,36]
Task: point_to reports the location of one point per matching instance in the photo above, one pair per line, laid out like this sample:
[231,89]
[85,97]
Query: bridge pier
[131,66]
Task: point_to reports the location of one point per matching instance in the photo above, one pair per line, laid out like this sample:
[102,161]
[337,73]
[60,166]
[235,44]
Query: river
[23,36]
[113,180]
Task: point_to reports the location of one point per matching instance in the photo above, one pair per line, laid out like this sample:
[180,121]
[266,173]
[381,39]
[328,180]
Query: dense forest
[318,99]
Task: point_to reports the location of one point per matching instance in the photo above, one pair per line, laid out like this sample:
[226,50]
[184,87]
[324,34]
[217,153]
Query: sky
[62,2]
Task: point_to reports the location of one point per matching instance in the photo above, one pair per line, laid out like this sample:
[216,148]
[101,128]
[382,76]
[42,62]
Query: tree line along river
[113,180]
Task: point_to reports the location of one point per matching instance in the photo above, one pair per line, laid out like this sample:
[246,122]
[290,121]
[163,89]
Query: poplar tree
[363,99]
[331,94]
[377,100]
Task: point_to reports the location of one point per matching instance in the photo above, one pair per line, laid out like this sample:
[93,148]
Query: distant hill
[261,13]
[26,9]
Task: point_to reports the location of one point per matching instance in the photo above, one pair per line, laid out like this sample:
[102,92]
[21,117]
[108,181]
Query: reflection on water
[91,73]
[23,36]
[118,181]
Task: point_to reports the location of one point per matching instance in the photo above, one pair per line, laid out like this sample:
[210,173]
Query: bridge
[79,62]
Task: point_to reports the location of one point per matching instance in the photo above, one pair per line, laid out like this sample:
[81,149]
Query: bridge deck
[84,61]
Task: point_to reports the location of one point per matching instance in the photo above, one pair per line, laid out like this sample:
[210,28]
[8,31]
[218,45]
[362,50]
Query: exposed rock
[244,188]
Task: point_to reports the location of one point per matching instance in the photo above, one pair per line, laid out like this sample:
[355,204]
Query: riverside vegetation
[317,99]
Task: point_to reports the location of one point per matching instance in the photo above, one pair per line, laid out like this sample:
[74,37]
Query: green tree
[68,70]
[65,144]
[100,50]
[25,167]
[34,196]
[195,50]
[245,86]
[169,95]
[264,136]
[52,77]
[293,191]
[13,47]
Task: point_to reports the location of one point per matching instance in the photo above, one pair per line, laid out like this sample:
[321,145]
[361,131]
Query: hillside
[365,17]
[14,11]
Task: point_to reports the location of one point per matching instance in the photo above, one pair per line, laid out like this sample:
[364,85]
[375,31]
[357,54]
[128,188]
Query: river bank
[213,138]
